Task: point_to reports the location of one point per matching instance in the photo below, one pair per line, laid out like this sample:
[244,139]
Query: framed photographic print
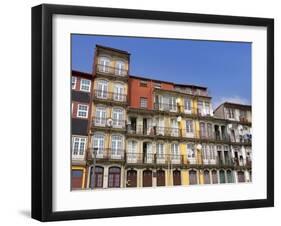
[146,112]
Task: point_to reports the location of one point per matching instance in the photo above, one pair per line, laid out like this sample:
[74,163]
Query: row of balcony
[165,159]
[158,131]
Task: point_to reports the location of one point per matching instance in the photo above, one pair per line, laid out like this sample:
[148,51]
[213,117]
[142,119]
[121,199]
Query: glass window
[99,144]
[118,117]
[187,104]
[190,151]
[102,89]
[119,92]
[222,177]
[82,111]
[78,146]
[120,68]
[143,102]
[100,118]
[229,176]
[132,150]
[160,150]
[104,63]
[73,82]
[189,126]
[116,145]
[85,85]
[143,83]
[175,151]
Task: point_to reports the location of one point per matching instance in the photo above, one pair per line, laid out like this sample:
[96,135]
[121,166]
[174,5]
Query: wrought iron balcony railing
[112,70]
[154,131]
[150,158]
[110,96]
[108,122]
[107,154]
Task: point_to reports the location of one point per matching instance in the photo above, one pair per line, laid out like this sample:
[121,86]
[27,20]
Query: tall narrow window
[116,146]
[82,111]
[119,92]
[100,118]
[160,151]
[209,130]
[120,68]
[85,85]
[187,104]
[78,146]
[175,152]
[118,117]
[102,89]
[191,153]
[104,64]
[73,82]
[174,128]
[132,151]
[189,126]
[172,103]
[98,144]
[200,107]
[203,130]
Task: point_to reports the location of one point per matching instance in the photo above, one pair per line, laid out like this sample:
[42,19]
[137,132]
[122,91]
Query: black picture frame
[42,111]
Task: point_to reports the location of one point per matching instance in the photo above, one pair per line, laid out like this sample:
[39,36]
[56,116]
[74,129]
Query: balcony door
[160,153]
[147,152]
[100,118]
[99,144]
[120,68]
[102,89]
[118,117]
[175,128]
[104,63]
[175,153]
[119,91]
[116,146]
[132,151]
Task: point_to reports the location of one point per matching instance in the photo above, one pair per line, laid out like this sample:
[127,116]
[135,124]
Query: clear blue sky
[223,67]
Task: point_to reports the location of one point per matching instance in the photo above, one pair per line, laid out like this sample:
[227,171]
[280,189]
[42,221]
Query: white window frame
[118,115]
[132,151]
[116,140]
[175,151]
[187,107]
[103,93]
[104,64]
[141,103]
[98,139]
[191,153]
[160,153]
[79,110]
[119,96]
[100,121]
[120,68]
[80,150]
[189,127]
[82,86]
[75,82]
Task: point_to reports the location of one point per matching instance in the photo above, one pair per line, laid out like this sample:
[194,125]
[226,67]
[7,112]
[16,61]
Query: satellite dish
[109,122]
[199,146]
[179,118]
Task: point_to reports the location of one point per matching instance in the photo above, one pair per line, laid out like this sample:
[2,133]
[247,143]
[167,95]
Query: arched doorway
[192,177]
[160,177]
[241,176]
[177,177]
[214,177]
[207,179]
[98,179]
[131,178]
[147,178]
[114,177]
[222,177]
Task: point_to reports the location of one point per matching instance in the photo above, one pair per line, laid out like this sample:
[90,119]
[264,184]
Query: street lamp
[94,167]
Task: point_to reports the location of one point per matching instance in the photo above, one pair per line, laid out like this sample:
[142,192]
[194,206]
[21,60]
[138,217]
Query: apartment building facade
[81,88]
[148,133]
